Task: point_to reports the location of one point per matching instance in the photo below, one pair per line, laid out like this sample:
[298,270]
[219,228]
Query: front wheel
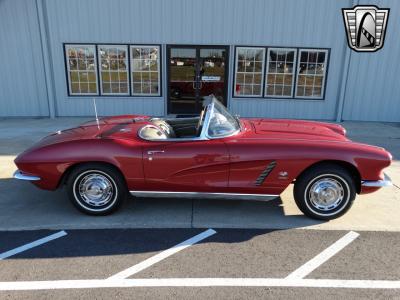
[325,192]
[96,189]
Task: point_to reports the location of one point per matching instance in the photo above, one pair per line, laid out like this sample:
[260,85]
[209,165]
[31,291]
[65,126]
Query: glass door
[195,72]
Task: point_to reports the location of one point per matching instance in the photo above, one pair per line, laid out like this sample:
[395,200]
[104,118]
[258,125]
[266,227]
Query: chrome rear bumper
[378,183]
[19,175]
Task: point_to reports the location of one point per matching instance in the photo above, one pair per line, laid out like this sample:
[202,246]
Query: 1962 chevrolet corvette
[214,155]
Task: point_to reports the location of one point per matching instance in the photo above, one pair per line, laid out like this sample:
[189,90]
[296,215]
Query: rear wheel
[96,189]
[325,192]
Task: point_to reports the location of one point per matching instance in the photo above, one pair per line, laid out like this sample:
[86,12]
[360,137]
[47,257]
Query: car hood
[298,129]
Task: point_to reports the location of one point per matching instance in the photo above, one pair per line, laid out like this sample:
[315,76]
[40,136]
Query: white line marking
[325,255]
[197,282]
[162,255]
[33,244]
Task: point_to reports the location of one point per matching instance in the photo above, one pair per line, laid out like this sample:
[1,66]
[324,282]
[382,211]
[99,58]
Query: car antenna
[95,111]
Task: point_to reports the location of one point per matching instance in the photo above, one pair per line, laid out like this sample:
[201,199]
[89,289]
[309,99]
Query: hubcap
[326,194]
[96,189]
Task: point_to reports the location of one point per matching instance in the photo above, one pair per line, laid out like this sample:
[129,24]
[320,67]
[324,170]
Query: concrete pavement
[25,207]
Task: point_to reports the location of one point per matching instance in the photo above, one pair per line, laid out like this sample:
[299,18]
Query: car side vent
[261,178]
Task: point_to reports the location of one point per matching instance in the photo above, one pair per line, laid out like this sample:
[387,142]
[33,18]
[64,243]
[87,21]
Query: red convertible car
[215,155]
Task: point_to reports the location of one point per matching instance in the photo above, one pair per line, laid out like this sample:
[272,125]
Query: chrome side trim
[378,183]
[19,175]
[199,195]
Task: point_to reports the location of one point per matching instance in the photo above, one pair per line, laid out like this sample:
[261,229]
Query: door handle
[154,151]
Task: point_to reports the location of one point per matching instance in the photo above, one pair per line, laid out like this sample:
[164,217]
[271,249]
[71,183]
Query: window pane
[280,72]
[300,91]
[137,88]
[270,89]
[308,91]
[318,80]
[288,79]
[278,90]
[124,87]
[271,79]
[249,71]
[106,88]
[321,57]
[317,91]
[74,77]
[256,89]
[83,77]
[272,67]
[287,90]
[73,64]
[304,56]
[279,79]
[75,88]
[239,78]
[92,87]
[154,88]
[311,73]
[123,77]
[145,62]
[105,76]
[115,87]
[113,66]
[81,64]
[84,88]
[92,76]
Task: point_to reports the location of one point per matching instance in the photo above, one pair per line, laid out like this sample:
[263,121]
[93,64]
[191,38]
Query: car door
[257,167]
[186,166]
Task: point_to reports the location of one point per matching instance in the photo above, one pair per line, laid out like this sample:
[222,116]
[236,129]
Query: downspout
[46,56]
[343,84]
[345,74]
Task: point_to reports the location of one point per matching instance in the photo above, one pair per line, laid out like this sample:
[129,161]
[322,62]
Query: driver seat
[165,127]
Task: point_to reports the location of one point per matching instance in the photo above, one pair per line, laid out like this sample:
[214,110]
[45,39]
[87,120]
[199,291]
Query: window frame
[236,62]
[324,76]
[274,98]
[97,71]
[294,72]
[159,94]
[101,92]
[68,69]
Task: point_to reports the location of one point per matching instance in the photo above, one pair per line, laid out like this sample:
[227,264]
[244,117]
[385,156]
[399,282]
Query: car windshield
[222,123]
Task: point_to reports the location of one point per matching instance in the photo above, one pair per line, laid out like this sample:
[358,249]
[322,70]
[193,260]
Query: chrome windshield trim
[201,195]
[19,175]
[378,183]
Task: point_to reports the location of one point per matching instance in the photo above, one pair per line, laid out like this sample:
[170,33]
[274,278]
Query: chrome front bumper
[378,183]
[19,175]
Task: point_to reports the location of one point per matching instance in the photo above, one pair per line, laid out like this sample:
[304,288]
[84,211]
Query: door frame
[197,47]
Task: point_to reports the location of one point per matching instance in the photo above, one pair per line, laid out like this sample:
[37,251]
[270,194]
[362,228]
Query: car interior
[172,128]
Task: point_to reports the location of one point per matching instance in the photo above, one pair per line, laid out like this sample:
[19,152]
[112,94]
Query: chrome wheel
[96,189]
[326,194]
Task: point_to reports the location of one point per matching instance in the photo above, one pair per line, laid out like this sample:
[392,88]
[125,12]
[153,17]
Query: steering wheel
[201,121]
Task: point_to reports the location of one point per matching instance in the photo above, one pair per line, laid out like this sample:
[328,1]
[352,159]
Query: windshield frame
[209,115]
[209,111]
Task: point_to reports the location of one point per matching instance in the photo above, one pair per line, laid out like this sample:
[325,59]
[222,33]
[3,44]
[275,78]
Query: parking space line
[32,244]
[324,256]
[162,255]
[197,282]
